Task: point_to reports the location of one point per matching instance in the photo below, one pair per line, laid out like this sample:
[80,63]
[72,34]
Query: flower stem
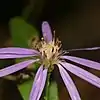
[47,87]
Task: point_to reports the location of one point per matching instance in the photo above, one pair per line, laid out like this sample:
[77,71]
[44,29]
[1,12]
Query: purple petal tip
[46,30]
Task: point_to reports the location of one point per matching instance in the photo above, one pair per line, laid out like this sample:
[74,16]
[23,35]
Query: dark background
[76,23]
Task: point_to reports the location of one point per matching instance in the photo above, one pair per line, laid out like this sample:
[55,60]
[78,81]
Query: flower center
[50,52]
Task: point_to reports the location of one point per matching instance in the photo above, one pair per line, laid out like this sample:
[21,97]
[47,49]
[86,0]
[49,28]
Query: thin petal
[46,30]
[82,74]
[40,70]
[36,84]
[11,69]
[8,56]
[69,84]
[15,50]
[87,49]
[42,84]
[85,62]
[39,84]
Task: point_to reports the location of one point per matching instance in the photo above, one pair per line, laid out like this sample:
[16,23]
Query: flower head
[48,53]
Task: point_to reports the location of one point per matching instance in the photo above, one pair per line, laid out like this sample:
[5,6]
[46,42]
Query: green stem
[47,87]
[28,10]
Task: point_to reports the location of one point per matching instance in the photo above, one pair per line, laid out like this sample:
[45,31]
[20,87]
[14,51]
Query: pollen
[50,52]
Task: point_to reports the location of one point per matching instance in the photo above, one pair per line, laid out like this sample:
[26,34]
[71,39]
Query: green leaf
[53,91]
[25,89]
[22,32]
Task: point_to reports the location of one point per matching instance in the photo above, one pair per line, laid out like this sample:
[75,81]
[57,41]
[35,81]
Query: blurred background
[76,23]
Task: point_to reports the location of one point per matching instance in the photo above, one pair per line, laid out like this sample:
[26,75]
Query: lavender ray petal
[89,77]
[16,50]
[13,68]
[36,84]
[69,84]
[6,56]
[85,62]
[42,83]
[81,49]
[40,70]
[46,30]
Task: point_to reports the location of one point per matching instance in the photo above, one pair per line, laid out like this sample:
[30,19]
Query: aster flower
[48,53]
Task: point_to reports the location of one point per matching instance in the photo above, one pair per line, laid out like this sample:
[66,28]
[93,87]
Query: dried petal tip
[46,31]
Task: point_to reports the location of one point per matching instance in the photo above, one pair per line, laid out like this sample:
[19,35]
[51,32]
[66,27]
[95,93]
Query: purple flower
[48,52]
